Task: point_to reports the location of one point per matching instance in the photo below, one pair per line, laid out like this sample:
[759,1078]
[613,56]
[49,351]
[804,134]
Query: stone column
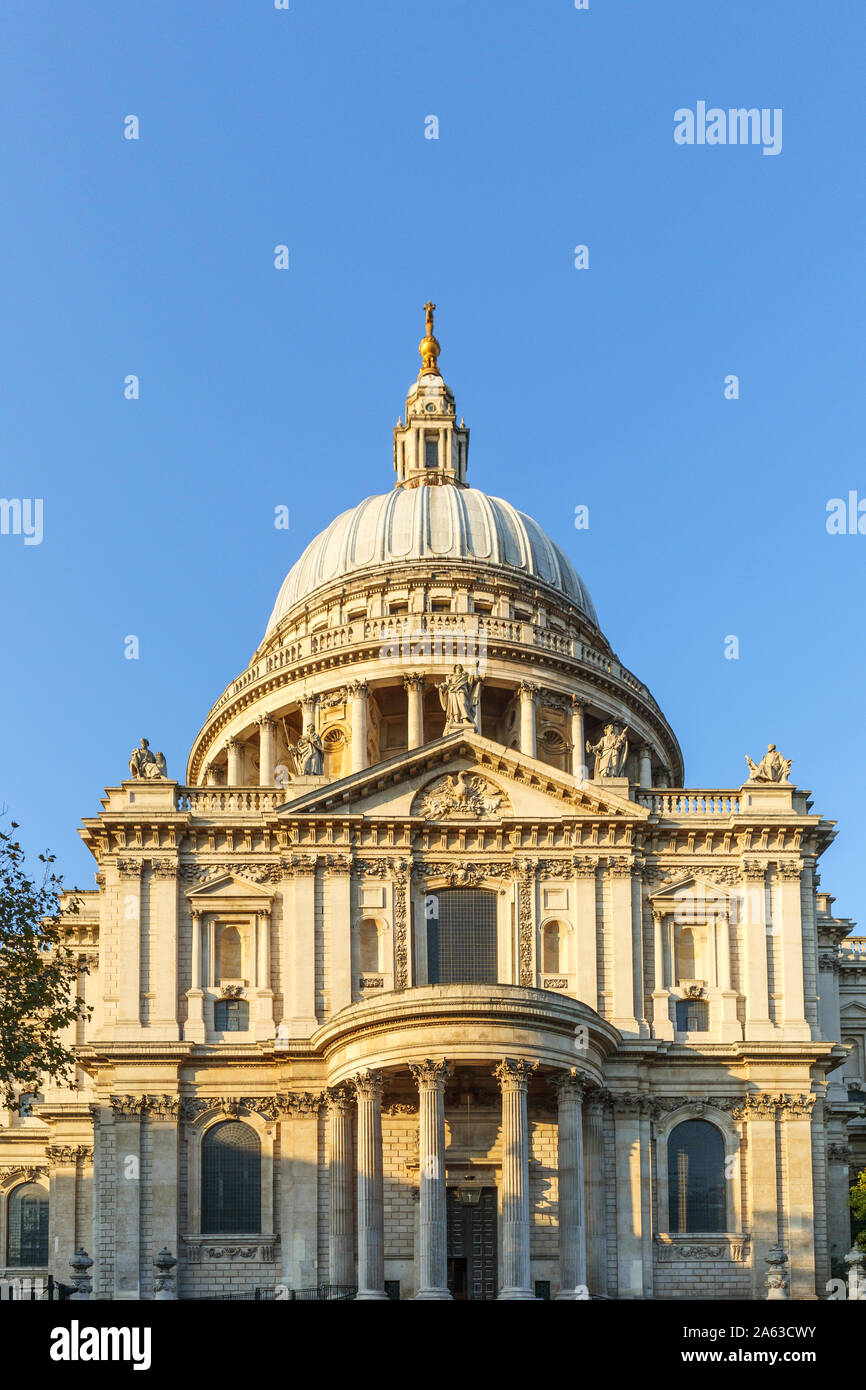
[754,931]
[235,756]
[264,1026]
[431,1078]
[632,1193]
[194,1029]
[569,1087]
[793,1003]
[645,767]
[595,1180]
[371,1210]
[626,937]
[266,750]
[578,738]
[515,1281]
[299,1192]
[414,684]
[528,692]
[585,870]
[763,1160]
[359,691]
[340,1226]
[796,1113]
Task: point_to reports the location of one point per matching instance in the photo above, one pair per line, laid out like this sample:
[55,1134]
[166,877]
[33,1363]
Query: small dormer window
[431,451]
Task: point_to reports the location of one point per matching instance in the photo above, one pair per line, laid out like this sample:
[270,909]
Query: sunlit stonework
[431,979]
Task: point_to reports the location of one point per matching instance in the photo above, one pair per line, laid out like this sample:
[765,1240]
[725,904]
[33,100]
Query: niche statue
[458,696]
[610,752]
[309,754]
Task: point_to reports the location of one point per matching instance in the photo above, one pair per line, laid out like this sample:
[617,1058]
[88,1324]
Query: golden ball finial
[428,346]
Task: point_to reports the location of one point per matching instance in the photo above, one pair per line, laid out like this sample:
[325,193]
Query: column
[359,691]
[761,1157]
[264,992]
[414,684]
[62,1233]
[587,930]
[622,929]
[340,1227]
[371,1210]
[164,1177]
[595,1180]
[235,757]
[299,1192]
[127,1199]
[513,1077]
[662,1022]
[431,1078]
[266,750]
[796,1116]
[753,926]
[528,692]
[793,1002]
[162,949]
[127,950]
[569,1087]
[731,1030]
[339,888]
[578,738]
[645,767]
[299,935]
[632,1182]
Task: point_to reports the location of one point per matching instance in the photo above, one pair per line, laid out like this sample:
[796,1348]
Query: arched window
[28,1227]
[368,946]
[696,1178]
[231,954]
[553,948]
[231,1180]
[231,1016]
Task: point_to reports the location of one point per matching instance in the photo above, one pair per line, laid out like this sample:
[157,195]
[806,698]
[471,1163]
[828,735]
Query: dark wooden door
[472,1246]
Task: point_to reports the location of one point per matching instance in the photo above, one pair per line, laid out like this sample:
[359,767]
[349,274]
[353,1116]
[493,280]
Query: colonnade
[431,1077]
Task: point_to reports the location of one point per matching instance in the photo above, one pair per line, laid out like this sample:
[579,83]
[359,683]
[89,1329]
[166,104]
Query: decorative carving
[400,1108]
[414,681]
[556,982]
[11,1173]
[67,1155]
[157,1107]
[790,869]
[840,1153]
[571,1084]
[401,936]
[584,867]
[525,870]
[164,868]
[610,752]
[514,1073]
[144,763]
[772,767]
[308,753]
[460,796]
[759,1105]
[368,1084]
[339,1098]
[130,868]
[664,1105]
[458,696]
[430,1073]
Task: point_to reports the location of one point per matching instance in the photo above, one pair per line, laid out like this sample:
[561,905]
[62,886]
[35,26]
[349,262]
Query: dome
[430,524]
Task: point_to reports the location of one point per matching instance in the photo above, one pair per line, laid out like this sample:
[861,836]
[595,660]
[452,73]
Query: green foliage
[857,1203]
[38,975]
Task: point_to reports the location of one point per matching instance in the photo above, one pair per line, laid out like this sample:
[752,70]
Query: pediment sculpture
[457,795]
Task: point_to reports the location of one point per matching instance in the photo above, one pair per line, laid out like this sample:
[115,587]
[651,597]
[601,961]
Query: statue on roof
[772,767]
[458,696]
[610,752]
[144,763]
[308,753]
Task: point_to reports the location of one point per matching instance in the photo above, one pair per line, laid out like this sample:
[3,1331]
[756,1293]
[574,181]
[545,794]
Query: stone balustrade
[685,801]
[853,948]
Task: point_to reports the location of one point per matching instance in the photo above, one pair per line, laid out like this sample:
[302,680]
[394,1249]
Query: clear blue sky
[260,387]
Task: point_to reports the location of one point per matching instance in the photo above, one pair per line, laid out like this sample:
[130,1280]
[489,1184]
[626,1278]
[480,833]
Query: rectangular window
[431,451]
[461,937]
[692,1016]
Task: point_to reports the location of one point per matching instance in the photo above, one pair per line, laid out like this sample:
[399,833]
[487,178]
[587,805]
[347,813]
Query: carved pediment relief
[461,796]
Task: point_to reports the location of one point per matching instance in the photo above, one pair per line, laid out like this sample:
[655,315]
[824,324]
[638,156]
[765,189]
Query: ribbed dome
[430,524]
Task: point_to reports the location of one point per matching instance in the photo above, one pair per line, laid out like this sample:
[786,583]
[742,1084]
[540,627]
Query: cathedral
[431,978]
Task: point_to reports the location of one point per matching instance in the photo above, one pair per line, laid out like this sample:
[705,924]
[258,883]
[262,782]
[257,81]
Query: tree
[38,975]
[857,1203]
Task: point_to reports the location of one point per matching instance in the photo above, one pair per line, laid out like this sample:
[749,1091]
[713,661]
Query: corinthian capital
[513,1073]
[571,1084]
[414,681]
[431,1075]
[368,1084]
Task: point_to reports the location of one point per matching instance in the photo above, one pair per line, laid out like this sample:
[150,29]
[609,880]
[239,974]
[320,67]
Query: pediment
[693,885]
[229,887]
[463,776]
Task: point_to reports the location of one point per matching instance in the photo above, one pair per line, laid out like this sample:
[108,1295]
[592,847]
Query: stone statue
[610,752]
[144,763]
[309,754]
[458,696]
[772,767]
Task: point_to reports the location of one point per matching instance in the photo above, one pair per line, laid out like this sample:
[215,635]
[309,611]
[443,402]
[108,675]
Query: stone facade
[660,955]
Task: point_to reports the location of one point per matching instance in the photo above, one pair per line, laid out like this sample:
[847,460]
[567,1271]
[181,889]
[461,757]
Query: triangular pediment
[463,777]
[694,885]
[228,887]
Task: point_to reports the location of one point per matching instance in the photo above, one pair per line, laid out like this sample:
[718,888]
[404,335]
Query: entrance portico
[442,1056]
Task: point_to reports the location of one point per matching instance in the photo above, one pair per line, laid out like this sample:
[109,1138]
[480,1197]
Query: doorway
[472,1244]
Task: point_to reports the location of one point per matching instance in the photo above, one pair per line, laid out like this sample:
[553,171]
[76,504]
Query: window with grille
[231,1180]
[696,1178]
[27,1213]
[431,451]
[231,1016]
[693,1015]
[461,937]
